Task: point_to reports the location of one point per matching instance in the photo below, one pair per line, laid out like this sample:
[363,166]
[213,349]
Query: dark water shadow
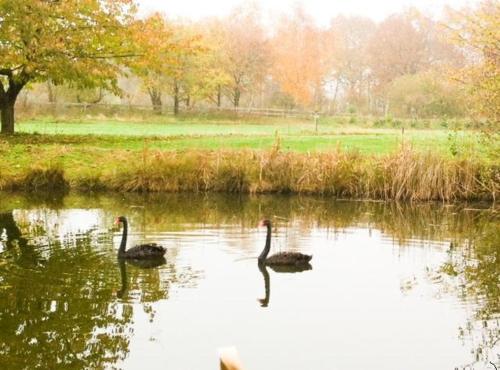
[47,199]
[264,302]
[291,269]
[142,264]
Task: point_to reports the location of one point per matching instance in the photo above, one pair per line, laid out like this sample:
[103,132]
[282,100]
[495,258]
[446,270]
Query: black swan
[143,251]
[283,258]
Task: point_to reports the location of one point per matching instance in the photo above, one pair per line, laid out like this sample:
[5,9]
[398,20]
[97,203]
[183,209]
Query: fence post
[316,117]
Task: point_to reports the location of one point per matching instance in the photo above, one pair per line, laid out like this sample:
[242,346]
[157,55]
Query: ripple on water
[382,281]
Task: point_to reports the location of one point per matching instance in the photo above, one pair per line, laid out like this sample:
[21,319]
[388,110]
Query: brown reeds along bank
[51,179]
[405,175]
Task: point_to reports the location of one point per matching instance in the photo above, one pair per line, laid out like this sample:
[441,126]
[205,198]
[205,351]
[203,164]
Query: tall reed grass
[406,175]
[51,179]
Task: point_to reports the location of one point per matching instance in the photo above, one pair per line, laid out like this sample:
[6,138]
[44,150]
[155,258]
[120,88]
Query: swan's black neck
[267,248]
[123,243]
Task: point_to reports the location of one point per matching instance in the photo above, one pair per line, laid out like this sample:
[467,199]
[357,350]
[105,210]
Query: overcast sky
[321,10]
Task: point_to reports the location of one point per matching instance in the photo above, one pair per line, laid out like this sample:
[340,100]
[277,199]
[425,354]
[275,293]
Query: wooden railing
[87,108]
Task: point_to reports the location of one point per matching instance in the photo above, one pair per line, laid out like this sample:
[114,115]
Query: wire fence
[107,109]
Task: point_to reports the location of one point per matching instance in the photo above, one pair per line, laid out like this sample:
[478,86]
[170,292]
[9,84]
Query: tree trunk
[99,97]
[8,117]
[237,95]
[334,100]
[8,101]
[155,96]
[176,98]
[219,96]
[51,92]
[176,104]
[188,101]
[386,108]
[157,104]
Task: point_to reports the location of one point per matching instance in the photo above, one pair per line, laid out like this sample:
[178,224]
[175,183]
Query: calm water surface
[392,286]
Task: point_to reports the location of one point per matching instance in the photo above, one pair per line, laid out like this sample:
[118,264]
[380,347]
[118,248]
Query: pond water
[391,286]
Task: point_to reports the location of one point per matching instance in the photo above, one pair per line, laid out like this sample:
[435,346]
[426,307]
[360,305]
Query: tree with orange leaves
[300,53]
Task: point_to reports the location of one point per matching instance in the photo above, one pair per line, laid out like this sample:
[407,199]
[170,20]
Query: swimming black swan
[282,258]
[143,251]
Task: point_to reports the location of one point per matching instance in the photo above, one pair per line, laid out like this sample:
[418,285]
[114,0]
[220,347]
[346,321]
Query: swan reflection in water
[143,264]
[264,302]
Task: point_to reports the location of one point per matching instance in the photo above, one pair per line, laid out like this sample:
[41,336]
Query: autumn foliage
[301,52]
[77,42]
[408,64]
[477,31]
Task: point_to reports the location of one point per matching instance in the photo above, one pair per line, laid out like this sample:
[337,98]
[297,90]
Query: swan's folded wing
[146,251]
[288,258]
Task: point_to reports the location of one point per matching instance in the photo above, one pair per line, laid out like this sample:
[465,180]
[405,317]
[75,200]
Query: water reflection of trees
[433,221]
[58,293]
[474,261]
[53,313]
[473,265]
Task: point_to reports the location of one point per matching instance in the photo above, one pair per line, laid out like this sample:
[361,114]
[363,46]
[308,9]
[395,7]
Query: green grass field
[242,156]
[191,134]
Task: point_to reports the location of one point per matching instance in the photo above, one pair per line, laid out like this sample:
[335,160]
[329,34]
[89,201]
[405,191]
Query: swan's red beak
[261,223]
[117,221]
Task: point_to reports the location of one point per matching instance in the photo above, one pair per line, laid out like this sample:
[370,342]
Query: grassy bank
[36,162]
[212,134]
[249,155]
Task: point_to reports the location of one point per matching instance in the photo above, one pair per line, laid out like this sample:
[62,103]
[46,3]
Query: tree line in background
[409,64]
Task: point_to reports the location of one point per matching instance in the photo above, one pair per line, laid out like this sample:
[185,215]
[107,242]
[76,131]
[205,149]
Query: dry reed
[405,175]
